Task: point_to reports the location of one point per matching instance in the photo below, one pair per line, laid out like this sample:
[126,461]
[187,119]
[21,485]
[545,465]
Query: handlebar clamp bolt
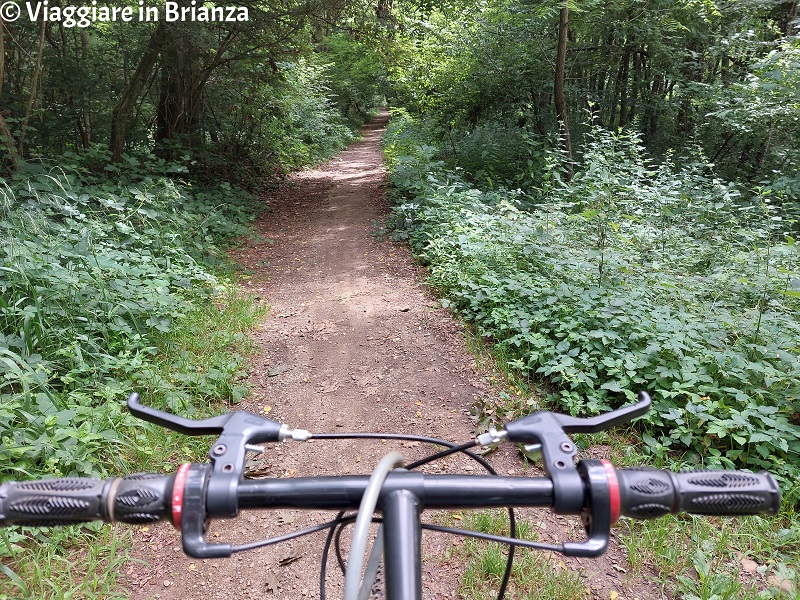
[219,449]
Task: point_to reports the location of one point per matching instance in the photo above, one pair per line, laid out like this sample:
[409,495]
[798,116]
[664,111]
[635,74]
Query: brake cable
[451,448]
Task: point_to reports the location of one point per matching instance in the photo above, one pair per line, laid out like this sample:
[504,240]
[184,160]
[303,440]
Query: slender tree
[559,95]
[37,71]
[122,114]
[5,133]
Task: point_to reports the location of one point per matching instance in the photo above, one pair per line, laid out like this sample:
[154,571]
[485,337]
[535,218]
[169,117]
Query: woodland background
[608,191]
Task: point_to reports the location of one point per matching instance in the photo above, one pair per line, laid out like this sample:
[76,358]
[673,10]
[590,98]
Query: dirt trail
[353,343]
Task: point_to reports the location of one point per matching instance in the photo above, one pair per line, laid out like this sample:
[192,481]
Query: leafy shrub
[497,154]
[281,119]
[634,276]
[94,278]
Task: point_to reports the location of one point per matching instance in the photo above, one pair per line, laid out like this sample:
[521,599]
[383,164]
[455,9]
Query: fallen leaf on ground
[285,517]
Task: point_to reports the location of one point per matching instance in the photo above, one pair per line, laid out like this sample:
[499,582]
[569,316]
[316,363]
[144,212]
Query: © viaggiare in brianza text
[83,16]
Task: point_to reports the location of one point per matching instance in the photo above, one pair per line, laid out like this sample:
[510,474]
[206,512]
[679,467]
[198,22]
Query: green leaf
[15,579]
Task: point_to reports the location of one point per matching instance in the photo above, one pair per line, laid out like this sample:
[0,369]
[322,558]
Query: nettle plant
[633,276]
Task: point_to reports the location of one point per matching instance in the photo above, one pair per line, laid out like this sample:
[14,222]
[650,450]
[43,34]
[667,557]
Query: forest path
[353,342]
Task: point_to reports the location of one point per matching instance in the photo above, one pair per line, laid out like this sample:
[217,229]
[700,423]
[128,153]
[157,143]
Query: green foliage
[279,120]
[106,288]
[465,62]
[634,276]
[44,571]
[722,75]
[248,101]
[497,153]
[83,72]
[93,278]
[761,117]
[356,76]
[702,558]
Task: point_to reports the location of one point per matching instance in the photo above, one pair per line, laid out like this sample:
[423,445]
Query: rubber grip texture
[649,493]
[144,498]
[139,498]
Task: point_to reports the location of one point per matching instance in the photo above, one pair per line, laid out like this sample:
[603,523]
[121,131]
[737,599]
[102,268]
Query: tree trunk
[725,71]
[32,97]
[183,83]
[621,88]
[722,150]
[691,73]
[788,18]
[559,95]
[652,112]
[171,97]
[122,113]
[84,122]
[2,54]
[5,134]
[8,142]
[638,65]
[763,151]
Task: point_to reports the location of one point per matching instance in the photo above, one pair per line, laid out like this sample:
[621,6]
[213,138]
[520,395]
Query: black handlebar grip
[139,498]
[54,501]
[143,498]
[649,493]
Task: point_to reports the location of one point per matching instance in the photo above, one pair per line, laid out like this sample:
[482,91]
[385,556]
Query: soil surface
[353,342]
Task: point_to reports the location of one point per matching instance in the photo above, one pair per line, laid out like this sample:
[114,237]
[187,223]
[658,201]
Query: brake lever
[572,484]
[620,416]
[236,431]
[549,430]
[529,429]
[174,422]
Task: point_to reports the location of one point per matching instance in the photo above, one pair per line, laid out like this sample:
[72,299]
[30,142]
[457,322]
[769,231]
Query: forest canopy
[257,90]
[719,76]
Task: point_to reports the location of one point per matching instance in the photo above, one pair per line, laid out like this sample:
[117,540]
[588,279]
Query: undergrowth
[633,276]
[107,287]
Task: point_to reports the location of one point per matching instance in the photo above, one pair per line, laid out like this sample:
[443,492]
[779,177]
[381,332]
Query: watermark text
[83,15]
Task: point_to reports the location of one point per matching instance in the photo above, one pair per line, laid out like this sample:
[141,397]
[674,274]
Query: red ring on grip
[177,494]
[613,490]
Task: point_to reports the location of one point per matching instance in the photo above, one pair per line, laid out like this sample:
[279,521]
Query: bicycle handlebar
[138,498]
[593,489]
[147,497]
[648,493]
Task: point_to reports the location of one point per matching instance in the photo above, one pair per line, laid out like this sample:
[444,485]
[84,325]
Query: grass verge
[198,369]
[535,576]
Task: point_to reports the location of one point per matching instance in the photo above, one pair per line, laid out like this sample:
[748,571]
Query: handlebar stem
[402,538]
